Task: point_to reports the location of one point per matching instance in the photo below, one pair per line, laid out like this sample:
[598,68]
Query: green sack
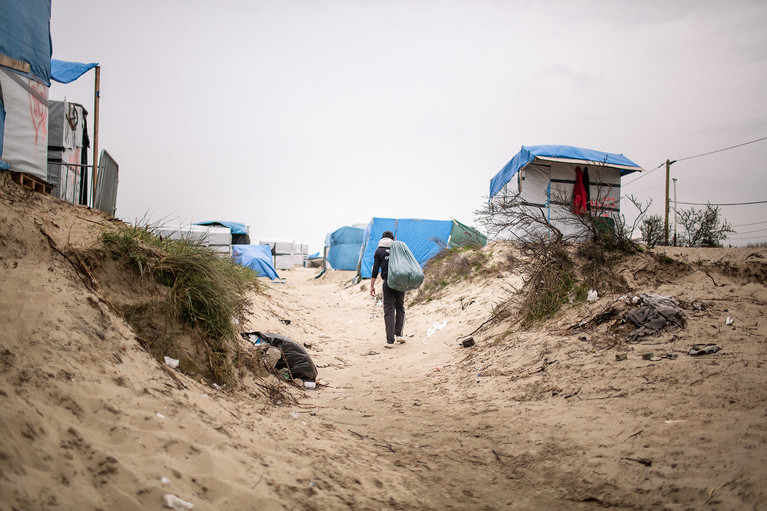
[404,271]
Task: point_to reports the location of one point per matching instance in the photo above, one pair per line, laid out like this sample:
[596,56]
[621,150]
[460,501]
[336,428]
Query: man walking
[393,300]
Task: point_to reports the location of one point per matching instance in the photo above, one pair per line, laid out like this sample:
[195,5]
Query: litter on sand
[435,326]
[703,349]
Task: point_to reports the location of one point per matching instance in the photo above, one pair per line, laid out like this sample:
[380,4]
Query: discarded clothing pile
[292,356]
[654,312]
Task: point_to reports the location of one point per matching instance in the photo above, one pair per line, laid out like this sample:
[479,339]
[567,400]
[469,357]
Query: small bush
[449,266]
[206,290]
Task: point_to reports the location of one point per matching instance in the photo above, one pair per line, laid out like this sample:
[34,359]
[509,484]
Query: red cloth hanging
[580,199]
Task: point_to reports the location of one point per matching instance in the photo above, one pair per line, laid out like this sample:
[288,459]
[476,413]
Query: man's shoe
[400,339]
[389,345]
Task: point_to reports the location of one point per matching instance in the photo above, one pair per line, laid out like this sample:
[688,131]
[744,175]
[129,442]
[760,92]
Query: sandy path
[445,427]
[401,407]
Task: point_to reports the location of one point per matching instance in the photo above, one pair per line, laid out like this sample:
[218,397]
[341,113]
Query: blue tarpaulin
[235,227]
[66,72]
[25,37]
[528,154]
[256,257]
[344,246]
[424,238]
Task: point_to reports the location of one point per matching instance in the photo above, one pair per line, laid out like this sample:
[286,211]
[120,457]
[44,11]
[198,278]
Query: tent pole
[96,94]
[674,179]
[665,224]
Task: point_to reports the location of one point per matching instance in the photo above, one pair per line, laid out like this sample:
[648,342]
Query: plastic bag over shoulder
[405,273]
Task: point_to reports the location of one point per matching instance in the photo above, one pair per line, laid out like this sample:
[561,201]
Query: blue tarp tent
[67,72]
[256,257]
[344,246]
[240,234]
[25,75]
[235,227]
[569,154]
[25,38]
[423,237]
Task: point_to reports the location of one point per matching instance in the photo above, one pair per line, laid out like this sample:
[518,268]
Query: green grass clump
[205,289]
[449,266]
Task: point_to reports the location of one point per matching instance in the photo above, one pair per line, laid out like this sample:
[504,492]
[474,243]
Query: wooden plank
[31,182]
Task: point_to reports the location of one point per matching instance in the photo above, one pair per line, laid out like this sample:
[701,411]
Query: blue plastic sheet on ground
[256,257]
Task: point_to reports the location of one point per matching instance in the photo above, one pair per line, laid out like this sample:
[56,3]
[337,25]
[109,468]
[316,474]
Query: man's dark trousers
[394,312]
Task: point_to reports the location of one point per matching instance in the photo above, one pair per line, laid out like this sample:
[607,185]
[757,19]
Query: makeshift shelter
[218,239]
[240,233]
[561,180]
[424,238]
[343,248]
[68,143]
[256,257]
[25,77]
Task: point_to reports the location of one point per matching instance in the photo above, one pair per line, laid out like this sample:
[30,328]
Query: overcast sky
[299,117]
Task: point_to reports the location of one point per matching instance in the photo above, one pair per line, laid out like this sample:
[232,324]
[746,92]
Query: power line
[750,232]
[720,150]
[695,156]
[753,223]
[724,204]
[644,174]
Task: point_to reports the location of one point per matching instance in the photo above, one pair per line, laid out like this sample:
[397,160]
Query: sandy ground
[545,418]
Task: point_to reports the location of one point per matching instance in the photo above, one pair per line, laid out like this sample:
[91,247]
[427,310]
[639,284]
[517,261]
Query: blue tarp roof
[344,246]
[419,235]
[528,154]
[25,36]
[235,227]
[256,257]
[67,72]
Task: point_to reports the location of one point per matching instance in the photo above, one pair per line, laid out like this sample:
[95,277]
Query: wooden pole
[96,94]
[665,224]
[674,179]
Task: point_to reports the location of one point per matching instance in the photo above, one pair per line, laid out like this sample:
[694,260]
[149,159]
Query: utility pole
[665,222]
[674,179]
[668,200]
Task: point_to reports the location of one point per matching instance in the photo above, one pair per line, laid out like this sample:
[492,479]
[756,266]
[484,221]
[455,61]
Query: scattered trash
[467,343]
[160,416]
[216,386]
[670,356]
[173,502]
[271,356]
[285,321]
[703,349]
[675,421]
[370,353]
[438,368]
[172,362]
[164,480]
[729,321]
[310,385]
[284,352]
[653,315]
[698,306]
[293,414]
[620,356]
[647,356]
[253,338]
[435,326]
[592,296]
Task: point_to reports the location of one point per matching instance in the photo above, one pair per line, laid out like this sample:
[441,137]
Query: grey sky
[297,118]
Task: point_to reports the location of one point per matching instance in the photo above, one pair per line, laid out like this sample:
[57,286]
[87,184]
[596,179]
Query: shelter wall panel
[535,184]
[283,261]
[25,135]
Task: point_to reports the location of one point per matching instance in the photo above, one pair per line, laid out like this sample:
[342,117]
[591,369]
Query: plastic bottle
[310,385]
